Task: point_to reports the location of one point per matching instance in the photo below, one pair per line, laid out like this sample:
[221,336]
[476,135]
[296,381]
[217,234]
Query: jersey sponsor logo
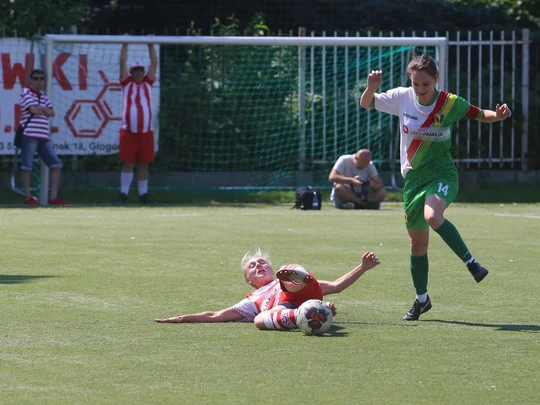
[267,300]
[411,117]
[428,134]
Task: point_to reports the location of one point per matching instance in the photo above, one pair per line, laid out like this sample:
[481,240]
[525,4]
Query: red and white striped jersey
[137,99]
[38,126]
[274,294]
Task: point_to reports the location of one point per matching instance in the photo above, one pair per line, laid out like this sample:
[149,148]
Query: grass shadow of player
[19,279]
[498,326]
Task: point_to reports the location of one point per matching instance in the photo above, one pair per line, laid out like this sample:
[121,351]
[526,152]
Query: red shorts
[136,147]
[311,291]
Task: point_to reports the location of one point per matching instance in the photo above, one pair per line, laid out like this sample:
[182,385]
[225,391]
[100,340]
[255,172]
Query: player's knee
[433,220]
[259,322]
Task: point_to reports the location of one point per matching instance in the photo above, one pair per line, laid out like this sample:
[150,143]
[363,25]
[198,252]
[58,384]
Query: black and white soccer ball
[314,317]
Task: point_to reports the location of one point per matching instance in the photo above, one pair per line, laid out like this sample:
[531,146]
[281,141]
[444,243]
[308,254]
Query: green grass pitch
[80,287]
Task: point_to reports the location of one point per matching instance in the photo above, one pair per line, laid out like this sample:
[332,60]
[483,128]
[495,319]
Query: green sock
[419,273]
[452,238]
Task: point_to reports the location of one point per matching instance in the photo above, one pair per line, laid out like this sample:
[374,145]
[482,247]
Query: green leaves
[30,17]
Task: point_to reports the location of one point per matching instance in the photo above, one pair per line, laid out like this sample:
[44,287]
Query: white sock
[125,181]
[143,186]
[421,298]
[470,260]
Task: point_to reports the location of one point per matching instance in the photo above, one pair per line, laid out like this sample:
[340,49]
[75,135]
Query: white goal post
[53,41]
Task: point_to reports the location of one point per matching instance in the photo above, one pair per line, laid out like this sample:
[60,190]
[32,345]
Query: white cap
[136,64]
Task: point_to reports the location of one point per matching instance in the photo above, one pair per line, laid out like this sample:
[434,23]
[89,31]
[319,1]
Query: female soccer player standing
[426,116]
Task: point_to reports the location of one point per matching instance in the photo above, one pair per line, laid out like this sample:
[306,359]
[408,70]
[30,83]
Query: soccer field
[80,287]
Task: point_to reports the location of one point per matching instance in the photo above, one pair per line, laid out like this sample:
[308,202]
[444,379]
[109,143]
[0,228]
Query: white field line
[175,215]
[518,216]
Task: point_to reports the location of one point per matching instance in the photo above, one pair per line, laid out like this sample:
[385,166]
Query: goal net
[230,112]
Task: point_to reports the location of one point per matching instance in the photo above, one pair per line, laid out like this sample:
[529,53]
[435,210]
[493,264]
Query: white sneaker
[348,206]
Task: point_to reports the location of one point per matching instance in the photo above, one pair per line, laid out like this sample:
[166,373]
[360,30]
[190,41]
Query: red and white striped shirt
[38,126]
[274,294]
[137,98]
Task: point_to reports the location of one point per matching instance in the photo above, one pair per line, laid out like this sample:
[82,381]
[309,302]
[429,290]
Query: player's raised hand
[374,79]
[502,111]
[369,260]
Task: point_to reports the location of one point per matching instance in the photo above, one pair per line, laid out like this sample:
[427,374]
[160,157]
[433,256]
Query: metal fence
[484,68]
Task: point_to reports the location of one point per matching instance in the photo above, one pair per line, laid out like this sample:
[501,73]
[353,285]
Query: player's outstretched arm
[225,315]
[369,261]
[500,113]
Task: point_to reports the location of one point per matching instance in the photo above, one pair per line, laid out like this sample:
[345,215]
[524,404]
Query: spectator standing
[36,108]
[136,133]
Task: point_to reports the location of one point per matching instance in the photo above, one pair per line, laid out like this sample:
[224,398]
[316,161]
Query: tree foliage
[29,17]
[329,15]
[173,17]
[523,13]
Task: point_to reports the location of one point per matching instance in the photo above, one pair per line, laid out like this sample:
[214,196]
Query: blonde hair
[248,256]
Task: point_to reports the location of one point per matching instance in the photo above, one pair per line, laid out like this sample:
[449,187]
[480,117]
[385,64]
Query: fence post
[302,101]
[525,99]
[44,174]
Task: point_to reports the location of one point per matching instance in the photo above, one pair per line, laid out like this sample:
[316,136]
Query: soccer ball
[314,317]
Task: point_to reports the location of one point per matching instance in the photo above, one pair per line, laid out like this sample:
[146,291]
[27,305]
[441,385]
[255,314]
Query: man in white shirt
[357,184]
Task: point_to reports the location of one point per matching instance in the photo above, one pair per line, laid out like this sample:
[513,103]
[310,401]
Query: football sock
[421,297]
[452,238]
[125,182]
[419,273]
[143,186]
[470,260]
[279,320]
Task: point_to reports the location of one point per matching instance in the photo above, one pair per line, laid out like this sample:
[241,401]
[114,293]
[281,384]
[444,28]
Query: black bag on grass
[308,199]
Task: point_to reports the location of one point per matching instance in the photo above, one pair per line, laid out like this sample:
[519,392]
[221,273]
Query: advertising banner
[86,93]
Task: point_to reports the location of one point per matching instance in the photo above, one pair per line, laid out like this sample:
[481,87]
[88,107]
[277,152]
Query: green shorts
[419,186]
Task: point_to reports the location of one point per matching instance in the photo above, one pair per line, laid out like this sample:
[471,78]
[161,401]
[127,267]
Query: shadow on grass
[502,327]
[18,279]
[334,331]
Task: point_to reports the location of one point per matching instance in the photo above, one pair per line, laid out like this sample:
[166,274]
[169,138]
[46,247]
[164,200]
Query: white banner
[86,93]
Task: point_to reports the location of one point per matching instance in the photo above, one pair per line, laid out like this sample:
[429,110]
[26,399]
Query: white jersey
[425,129]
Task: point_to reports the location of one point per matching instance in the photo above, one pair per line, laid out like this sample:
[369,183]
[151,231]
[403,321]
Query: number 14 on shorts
[443,189]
